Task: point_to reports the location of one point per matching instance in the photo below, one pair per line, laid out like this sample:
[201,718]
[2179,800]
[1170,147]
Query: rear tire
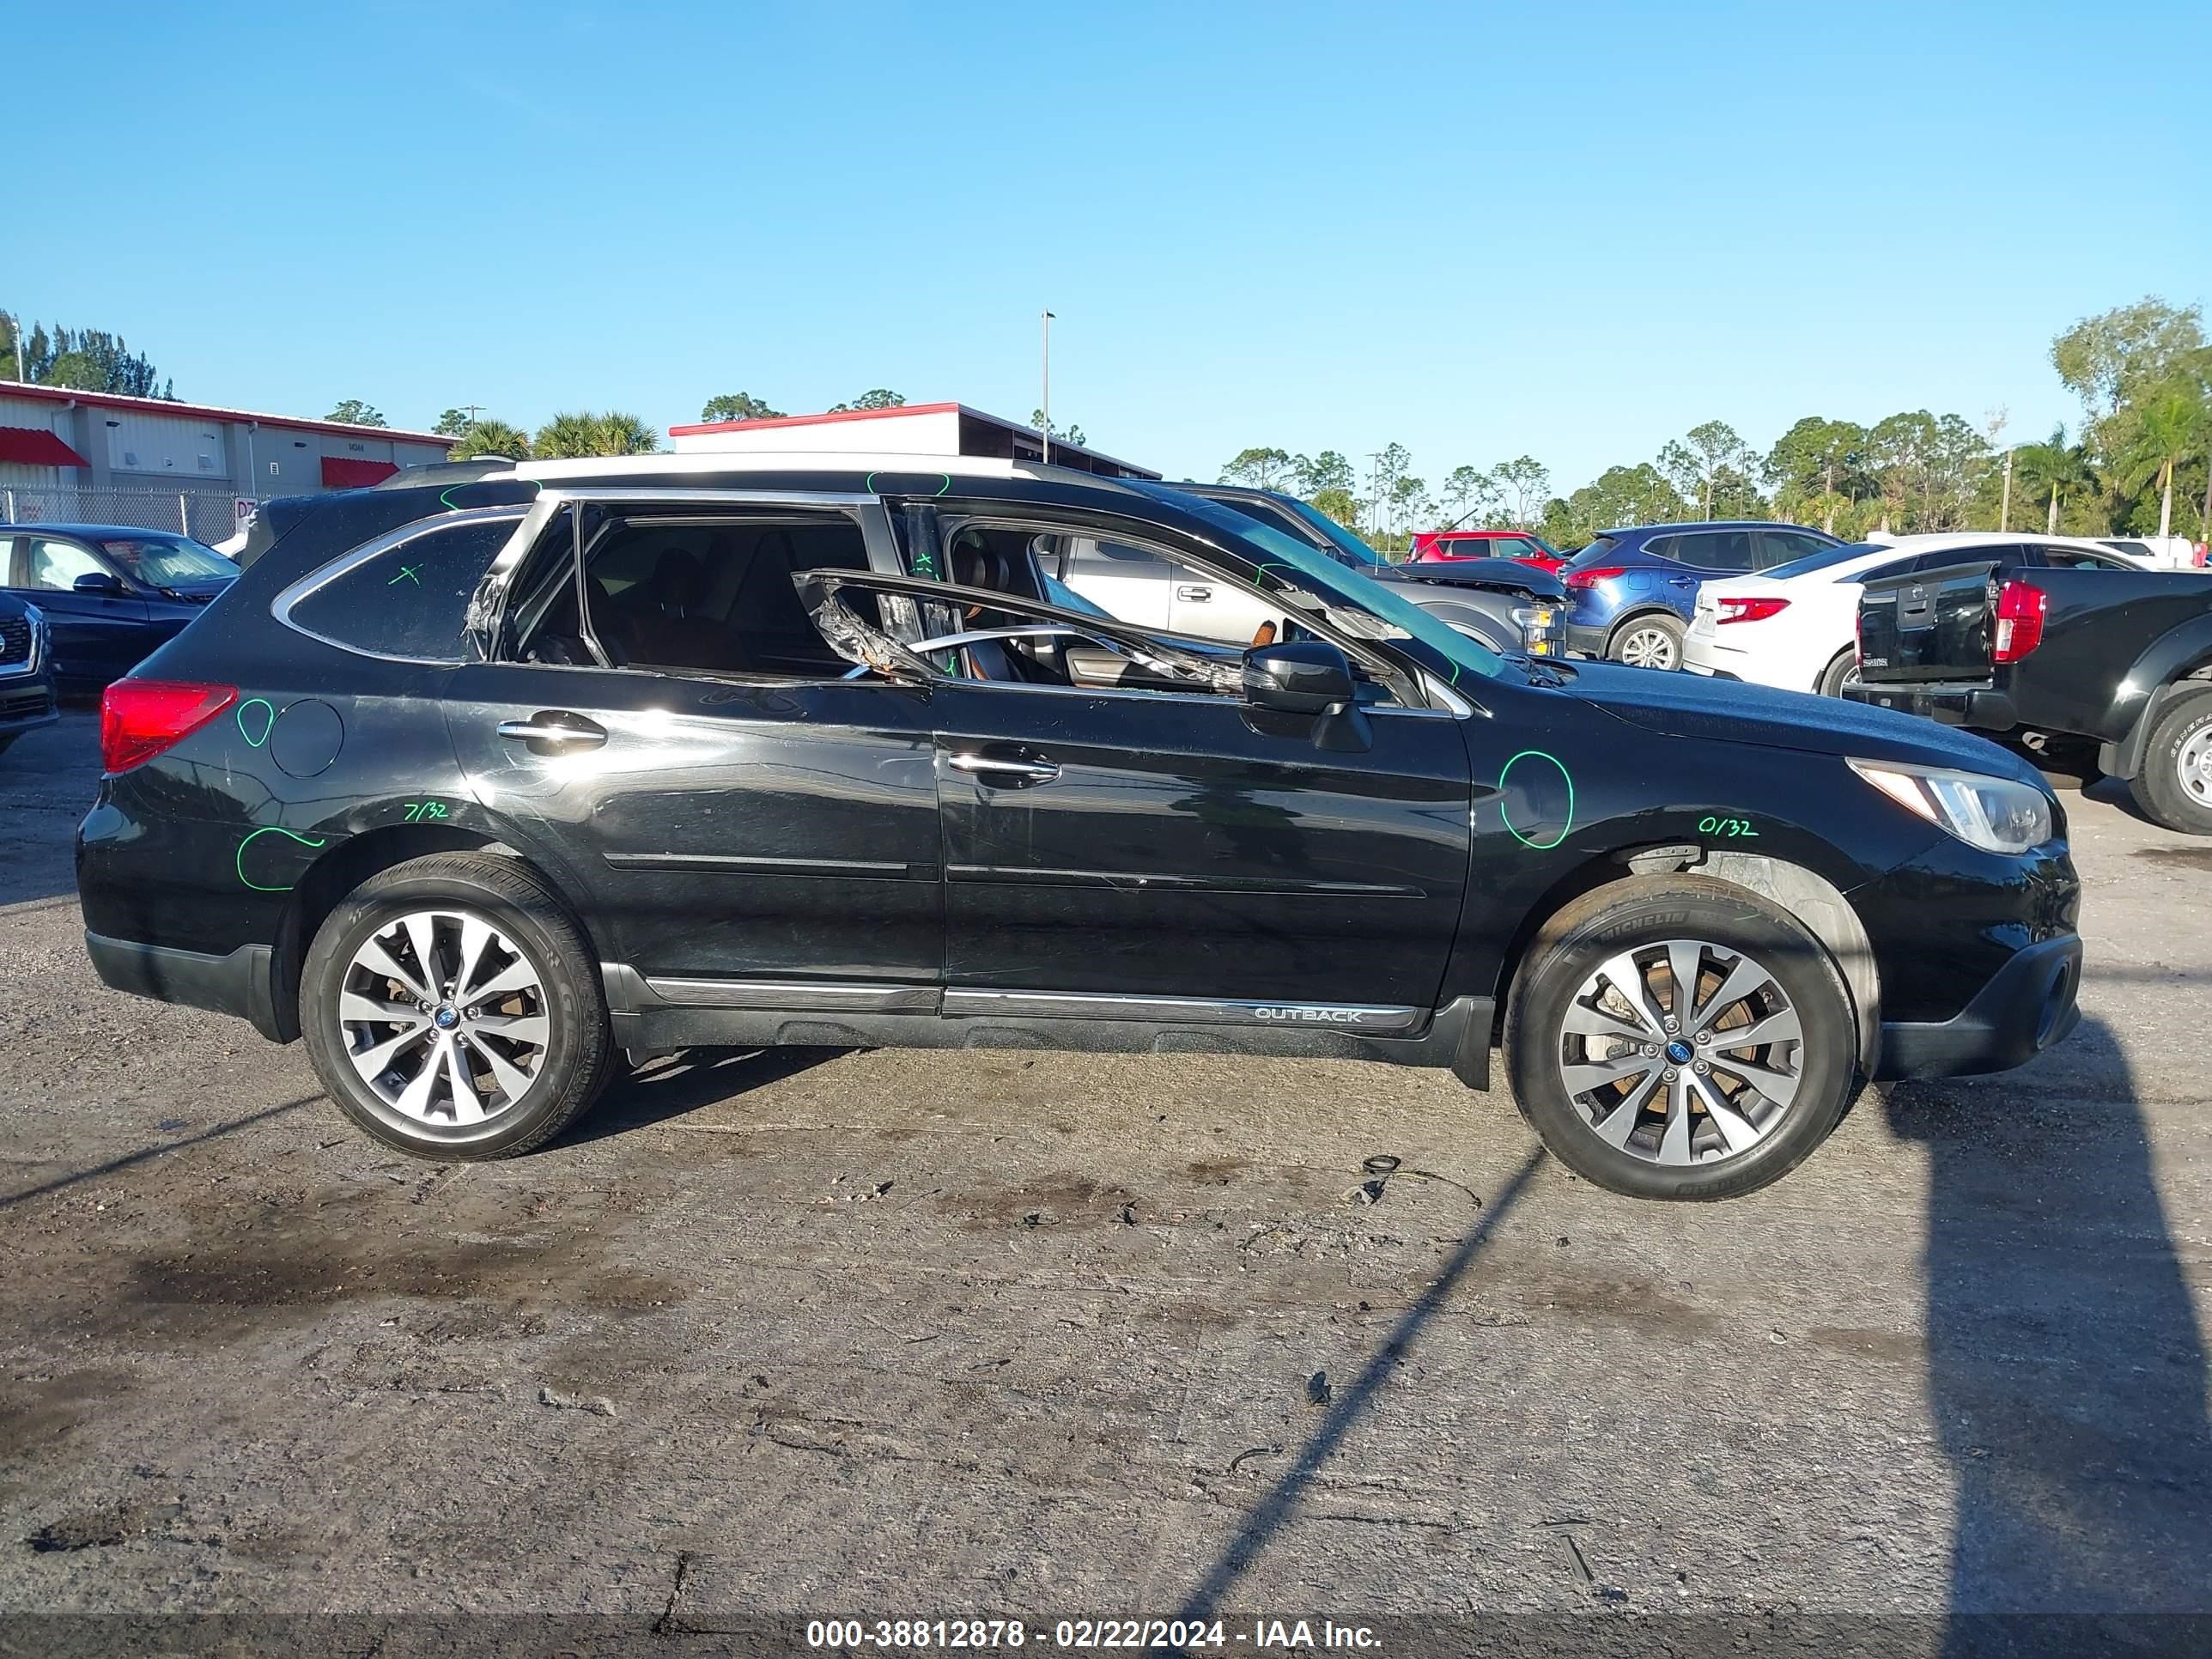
[1839,674]
[1652,640]
[452,1008]
[1580,1055]
[2174,785]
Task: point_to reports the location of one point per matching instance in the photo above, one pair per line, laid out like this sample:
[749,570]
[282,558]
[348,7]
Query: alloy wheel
[2194,765]
[1681,1052]
[444,1018]
[1648,648]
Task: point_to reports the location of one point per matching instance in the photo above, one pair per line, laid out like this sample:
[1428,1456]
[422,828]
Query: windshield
[1822,559]
[1338,535]
[165,561]
[1315,573]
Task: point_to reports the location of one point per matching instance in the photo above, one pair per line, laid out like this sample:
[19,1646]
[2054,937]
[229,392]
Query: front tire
[1637,1086]
[1647,641]
[2175,784]
[452,1009]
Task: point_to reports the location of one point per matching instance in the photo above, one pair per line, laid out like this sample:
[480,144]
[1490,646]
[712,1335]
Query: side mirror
[1303,677]
[97,581]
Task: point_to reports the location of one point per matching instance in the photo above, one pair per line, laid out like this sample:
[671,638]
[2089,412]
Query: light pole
[1044,328]
[2004,502]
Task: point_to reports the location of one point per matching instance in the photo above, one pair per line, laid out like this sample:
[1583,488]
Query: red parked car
[1434,546]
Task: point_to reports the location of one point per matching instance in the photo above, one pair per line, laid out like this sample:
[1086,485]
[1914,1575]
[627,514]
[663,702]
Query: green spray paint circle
[269,829]
[267,726]
[1565,776]
[868,484]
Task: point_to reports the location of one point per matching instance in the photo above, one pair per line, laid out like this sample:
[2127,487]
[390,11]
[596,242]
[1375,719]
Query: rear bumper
[239,983]
[1982,707]
[2027,1006]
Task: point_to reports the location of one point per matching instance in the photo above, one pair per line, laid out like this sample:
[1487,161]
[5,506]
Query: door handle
[1192,593]
[1027,771]
[552,731]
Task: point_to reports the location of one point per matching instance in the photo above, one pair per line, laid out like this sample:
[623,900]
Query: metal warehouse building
[918,429]
[93,457]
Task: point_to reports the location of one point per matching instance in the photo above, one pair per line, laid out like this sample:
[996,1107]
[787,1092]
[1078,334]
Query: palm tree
[2057,467]
[2173,422]
[489,437]
[582,433]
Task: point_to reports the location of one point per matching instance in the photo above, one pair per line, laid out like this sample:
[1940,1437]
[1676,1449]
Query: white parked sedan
[1796,625]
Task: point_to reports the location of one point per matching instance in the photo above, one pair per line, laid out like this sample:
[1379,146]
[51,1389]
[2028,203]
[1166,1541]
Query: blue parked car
[112,595]
[1630,594]
[27,671]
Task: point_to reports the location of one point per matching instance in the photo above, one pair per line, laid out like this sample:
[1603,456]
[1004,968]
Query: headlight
[1995,814]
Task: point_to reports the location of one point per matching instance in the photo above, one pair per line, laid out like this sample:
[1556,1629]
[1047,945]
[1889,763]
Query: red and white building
[98,458]
[922,430]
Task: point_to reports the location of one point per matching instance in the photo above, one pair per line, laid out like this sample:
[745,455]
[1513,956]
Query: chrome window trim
[323,575]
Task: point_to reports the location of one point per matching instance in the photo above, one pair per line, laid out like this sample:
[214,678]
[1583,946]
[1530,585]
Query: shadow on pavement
[1268,1515]
[2066,1372]
[685,1082]
[143,1153]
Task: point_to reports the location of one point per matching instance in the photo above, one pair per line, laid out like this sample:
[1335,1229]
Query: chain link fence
[206,515]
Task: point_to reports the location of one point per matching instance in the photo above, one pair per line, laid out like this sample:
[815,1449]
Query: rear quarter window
[409,600]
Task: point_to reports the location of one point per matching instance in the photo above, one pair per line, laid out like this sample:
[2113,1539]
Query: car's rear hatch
[1933,626]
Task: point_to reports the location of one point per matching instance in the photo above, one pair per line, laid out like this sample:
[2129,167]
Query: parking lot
[791,1333]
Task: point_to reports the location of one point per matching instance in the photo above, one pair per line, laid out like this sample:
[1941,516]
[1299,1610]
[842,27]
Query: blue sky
[1572,231]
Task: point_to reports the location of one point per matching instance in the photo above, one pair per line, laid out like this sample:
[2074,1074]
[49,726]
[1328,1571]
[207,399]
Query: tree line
[2138,462]
[80,359]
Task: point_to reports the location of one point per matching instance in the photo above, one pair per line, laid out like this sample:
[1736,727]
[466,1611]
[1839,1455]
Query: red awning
[31,446]
[342,472]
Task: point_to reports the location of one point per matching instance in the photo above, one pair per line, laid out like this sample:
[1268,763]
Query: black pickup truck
[2122,659]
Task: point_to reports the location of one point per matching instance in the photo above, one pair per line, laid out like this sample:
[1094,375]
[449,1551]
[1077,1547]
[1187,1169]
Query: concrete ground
[874,1335]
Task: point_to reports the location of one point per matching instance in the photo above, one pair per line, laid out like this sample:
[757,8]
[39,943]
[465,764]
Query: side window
[687,591]
[1131,584]
[1714,550]
[1781,546]
[57,565]
[410,601]
[2074,558]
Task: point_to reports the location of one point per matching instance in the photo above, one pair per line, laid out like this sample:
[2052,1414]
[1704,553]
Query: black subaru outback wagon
[477,781]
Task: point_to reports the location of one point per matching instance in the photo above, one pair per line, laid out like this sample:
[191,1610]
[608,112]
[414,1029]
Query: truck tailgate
[1933,625]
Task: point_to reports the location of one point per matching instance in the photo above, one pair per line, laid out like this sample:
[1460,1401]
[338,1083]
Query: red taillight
[139,719]
[1732,610]
[2019,622]
[1596,574]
